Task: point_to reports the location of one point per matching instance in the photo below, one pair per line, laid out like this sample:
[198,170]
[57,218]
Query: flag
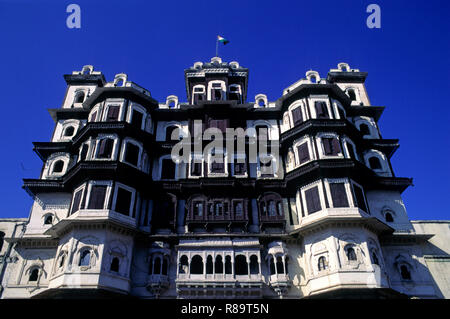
[223,40]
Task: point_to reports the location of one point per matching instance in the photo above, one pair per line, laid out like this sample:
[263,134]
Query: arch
[197,265]
[351,94]
[218,265]
[364,129]
[235,93]
[350,253]
[58,166]
[254,265]
[198,93]
[280,265]
[209,265]
[272,266]
[165,266]
[48,220]
[405,272]
[322,263]
[216,90]
[69,131]
[374,162]
[388,217]
[79,97]
[241,266]
[85,257]
[114,265]
[228,268]
[261,100]
[375,259]
[34,274]
[183,265]
[157,265]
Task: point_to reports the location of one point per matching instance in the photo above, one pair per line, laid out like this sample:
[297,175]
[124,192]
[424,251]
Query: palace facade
[316,213]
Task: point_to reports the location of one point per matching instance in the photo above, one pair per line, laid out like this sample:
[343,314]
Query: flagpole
[217,47]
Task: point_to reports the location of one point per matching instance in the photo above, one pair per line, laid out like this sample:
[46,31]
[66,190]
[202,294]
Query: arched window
[198,94]
[79,98]
[184,265]
[280,266]
[405,273]
[216,92]
[364,129]
[352,95]
[313,79]
[132,154]
[197,265]
[48,220]
[351,255]
[169,131]
[157,266]
[322,263]
[254,265]
[241,266]
[69,131]
[58,166]
[272,266]
[105,147]
[209,265]
[114,265]
[34,274]
[164,266]
[228,265]
[171,104]
[218,265]
[389,218]
[261,103]
[235,93]
[85,258]
[119,82]
[374,162]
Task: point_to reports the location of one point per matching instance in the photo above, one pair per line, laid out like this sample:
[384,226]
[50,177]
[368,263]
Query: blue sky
[154,41]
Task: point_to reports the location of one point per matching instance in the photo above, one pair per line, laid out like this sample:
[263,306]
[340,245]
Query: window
[235,93]
[48,220]
[136,119]
[69,131]
[359,196]
[374,162]
[239,168]
[197,265]
[84,152]
[209,265]
[351,151]
[238,209]
[321,110]
[164,266]
[375,260]
[303,153]
[34,274]
[312,200]
[364,128]
[123,201]
[169,132]
[322,263]
[389,218]
[184,265]
[405,273]
[272,208]
[351,255]
[216,92]
[85,258]
[241,266]
[79,98]
[97,197]
[339,195]
[62,259]
[168,169]
[105,148]
[157,266]
[114,265]
[266,167]
[272,266]
[198,209]
[218,265]
[93,117]
[132,154]
[341,113]
[254,265]
[58,166]
[297,115]
[313,79]
[76,201]
[351,94]
[331,146]
[280,266]
[198,94]
[228,265]
[113,113]
[196,168]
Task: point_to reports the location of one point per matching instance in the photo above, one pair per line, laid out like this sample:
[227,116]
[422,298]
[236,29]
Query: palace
[319,215]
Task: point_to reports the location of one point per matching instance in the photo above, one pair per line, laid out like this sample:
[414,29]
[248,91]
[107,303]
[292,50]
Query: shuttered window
[321,110]
[312,200]
[97,197]
[113,113]
[132,154]
[297,115]
[76,201]
[123,201]
[359,195]
[331,146]
[105,148]
[303,153]
[338,195]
